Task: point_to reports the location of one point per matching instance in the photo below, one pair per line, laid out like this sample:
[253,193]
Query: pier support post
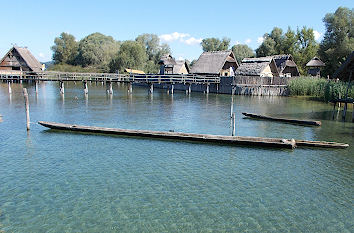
[109,87]
[172,88]
[151,88]
[232,106]
[25,94]
[207,88]
[61,87]
[9,86]
[130,88]
[189,88]
[85,87]
[344,111]
[36,87]
[233,124]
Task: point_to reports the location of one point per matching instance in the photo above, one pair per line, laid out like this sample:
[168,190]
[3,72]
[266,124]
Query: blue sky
[181,24]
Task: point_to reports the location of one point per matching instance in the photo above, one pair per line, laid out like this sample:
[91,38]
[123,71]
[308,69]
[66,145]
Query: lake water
[70,182]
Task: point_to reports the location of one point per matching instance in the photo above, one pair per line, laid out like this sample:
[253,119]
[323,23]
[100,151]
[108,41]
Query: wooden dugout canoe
[292,121]
[233,140]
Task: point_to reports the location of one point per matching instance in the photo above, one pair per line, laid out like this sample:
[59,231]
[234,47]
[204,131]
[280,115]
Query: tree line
[336,45]
[100,53]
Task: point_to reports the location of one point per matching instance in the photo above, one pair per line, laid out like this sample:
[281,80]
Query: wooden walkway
[107,77]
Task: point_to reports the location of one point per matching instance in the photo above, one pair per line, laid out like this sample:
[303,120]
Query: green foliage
[64,49]
[97,50]
[338,41]
[241,51]
[132,55]
[72,68]
[215,44]
[321,88]
[267,47]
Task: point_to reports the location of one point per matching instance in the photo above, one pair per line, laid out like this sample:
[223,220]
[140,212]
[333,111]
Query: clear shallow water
[61,182]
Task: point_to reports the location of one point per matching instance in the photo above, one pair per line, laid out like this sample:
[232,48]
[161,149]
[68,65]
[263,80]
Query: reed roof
[27,56]
[315,62]
[212,62]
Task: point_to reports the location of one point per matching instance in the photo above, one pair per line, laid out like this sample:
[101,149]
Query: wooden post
[9,85]
[151,89]
[172,88]
[25,94]
[189,88]
[61,87]
[130,88]
[85,87]
[207,88]
[232,106]
[344,111]
[109,87]
[233,124]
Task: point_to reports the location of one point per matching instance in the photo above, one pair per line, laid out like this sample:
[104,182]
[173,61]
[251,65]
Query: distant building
[19,59]
[168,65]
[346,70]
[286,65]
[216,63]
[132,71]
[261,66]
[314,66]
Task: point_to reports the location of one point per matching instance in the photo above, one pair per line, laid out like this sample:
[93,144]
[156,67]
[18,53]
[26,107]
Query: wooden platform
[285,120]
[232,140]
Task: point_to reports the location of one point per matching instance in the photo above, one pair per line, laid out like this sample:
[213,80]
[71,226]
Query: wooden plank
[293,121]
[233,140]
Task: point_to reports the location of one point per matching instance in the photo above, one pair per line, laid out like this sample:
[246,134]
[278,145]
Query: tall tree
[131,54]
[97,50]
[241,51]
[267,47]
[65,49]
[290,43]
[338,41]
[215,44]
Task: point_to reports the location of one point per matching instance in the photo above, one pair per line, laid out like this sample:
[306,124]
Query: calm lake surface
[69,182]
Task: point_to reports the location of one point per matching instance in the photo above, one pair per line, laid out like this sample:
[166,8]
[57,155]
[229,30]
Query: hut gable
[262,66]
[168,65]
[181,67]
[346,70]
[18,58]
[215,63]
[286,65]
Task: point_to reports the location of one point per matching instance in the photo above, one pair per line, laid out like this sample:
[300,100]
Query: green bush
[70,68]
[320,88]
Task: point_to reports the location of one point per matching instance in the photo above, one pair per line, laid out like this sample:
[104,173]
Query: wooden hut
[216,63]
[286,65]
[314,66]
[346,71]
[19,59]
[168,65]
[261,66]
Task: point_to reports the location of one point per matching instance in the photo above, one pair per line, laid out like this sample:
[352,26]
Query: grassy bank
[320,88]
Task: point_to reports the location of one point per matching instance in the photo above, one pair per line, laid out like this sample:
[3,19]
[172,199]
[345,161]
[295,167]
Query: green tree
[306,48]
[338,41]
[290,43]
[65,49]
[215,44]
[131,54]
[278,37]
[267,47]
[241,51]
[97,50]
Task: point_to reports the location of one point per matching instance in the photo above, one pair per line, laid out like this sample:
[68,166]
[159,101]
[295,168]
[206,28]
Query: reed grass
[322,89]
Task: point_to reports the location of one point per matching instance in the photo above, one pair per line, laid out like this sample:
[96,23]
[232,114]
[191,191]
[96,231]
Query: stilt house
[314,66]
[215,63]
[286,65]
[261,66]
[19,59]
[168,65]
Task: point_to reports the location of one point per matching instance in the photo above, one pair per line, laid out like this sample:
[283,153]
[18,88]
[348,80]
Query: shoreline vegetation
[320,88]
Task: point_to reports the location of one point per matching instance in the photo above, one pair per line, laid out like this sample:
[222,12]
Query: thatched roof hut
[20,59]
[181,67]
[314,66]
[168,65]
[261,66]
[346,69]
[286,65]
[221,63]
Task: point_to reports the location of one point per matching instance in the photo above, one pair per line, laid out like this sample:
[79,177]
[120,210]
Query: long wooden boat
[292,121]
[233,140]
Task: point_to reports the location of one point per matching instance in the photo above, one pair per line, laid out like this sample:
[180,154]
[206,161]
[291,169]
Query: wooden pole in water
[232,105]
[130,88]
[9,85]
[85,87]
[172,88]
[207,88]
[233,124]
[151,90]
[189,88]
[25,94]
[61,87]
[36,86]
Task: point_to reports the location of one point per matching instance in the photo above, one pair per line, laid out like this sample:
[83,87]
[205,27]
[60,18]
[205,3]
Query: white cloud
[317,35]
[248,41]
[173,36]
[260,40]
[180,58]
[192,41]
[41,55]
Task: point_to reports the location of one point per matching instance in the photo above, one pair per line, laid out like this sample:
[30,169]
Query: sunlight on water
[69,182]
